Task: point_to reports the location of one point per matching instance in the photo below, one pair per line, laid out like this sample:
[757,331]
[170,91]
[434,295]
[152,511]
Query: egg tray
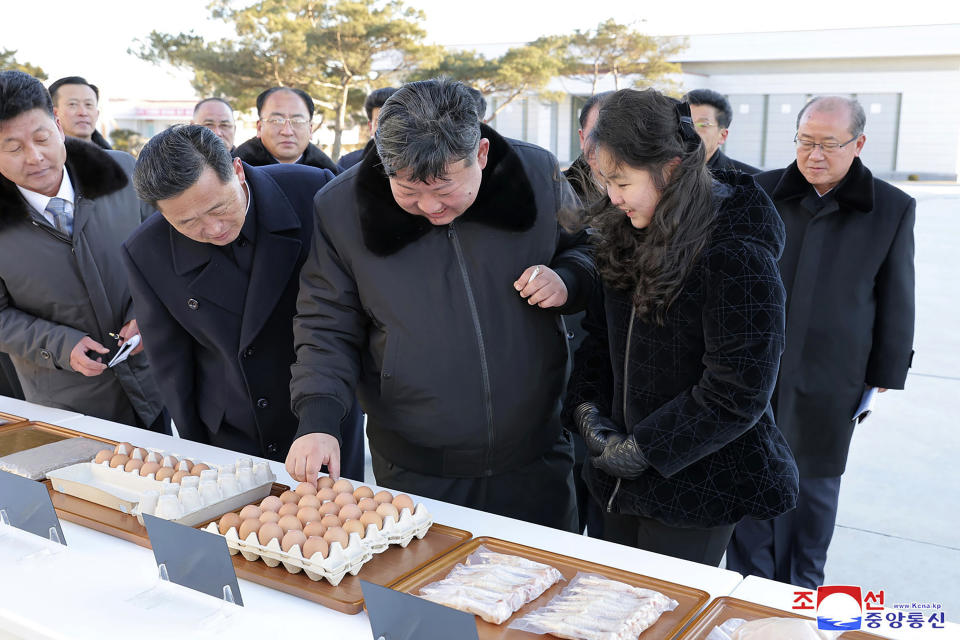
[339,561]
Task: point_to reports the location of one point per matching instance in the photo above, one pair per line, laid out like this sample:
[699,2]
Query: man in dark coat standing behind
[214,275]
[848,270]
[712,116]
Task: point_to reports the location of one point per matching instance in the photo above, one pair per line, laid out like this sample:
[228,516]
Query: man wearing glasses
[712,116]
[848,270]
[216,114]
[283,132]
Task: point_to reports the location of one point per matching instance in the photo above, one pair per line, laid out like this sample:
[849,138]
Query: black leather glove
[621,458]
[594,427]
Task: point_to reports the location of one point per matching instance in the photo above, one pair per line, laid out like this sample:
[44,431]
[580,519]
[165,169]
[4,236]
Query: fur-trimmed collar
[505,199]
[254,153]
[855,191]
[93,172]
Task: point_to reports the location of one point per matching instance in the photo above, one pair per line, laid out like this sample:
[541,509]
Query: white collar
[39,201]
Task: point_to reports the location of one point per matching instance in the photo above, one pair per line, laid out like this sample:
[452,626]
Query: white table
[38,412]
[92,594]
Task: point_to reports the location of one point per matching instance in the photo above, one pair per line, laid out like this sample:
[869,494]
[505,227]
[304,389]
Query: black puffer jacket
[697,391]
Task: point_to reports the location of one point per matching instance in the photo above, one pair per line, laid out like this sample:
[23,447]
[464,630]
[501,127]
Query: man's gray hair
[858,119]
[425,126]
[173,160]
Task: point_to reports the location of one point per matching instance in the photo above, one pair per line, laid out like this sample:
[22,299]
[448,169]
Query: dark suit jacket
[722,162]
[221,352]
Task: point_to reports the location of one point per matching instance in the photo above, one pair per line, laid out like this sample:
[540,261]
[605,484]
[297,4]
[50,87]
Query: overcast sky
[91,39]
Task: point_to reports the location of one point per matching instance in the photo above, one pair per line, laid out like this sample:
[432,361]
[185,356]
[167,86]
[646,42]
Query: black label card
[400,616]
[28,507]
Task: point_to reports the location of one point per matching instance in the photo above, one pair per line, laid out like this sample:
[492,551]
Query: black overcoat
[850,312]
[221,351]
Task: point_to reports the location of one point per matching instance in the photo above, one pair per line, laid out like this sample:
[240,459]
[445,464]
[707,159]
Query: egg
[330,521]
[371,517]
[309,501]
[354,526]
[270,503]
[388,510]
[403,501]
[337,534]
[229,520]
[179,476]
[329,507]
[185,465]
[133,465]
[349,512]
[148,468]
[326,482]
[124,448]
[363,492]
[383,496]
[169,461]
[308,514]
[315,545]
[118,460]
[367,504]
[292,538]
[164,473]
[290,522]
[314,529]
[326,494]
[250,511]
[343,485]
[248,526]
[153,456]
[288,509]
[269,531]
[104,455]
[139,453]
[289,496]
[305,489]
[270,516]
[197,468]
[345,498]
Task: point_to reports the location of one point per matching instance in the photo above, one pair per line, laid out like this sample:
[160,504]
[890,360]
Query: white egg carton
[339,561]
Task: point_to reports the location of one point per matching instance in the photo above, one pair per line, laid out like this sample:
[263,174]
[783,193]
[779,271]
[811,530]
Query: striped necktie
[62,212]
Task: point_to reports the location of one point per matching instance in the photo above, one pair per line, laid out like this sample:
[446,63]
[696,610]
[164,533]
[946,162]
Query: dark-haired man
[65,209]
[216,114]
[214,276]
[283,132]
[76,104]
[372,106]
[712,116]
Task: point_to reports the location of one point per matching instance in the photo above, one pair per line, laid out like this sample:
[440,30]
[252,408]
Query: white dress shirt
[39,201]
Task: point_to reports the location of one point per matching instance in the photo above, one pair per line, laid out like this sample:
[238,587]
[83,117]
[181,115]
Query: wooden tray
[8,418]
[724,608]
[21,436]
[691,600]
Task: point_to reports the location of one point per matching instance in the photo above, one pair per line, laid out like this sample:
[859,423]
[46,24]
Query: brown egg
[314,529]
[139,453]
[372,517]
[326,482]
[163,473]
[354,526]
[249,526]
[269,531]
[289,496]
[307,515]
[363,492]
[118,460]
[148,468]
[133,465]
[315,545]
[104,455]
[270,503]
[123,448]
[330,521]
[288,509]
[290,522]
[197,468]
[345,498]
[367,504]
[388,510]
[309,501]
[291,538]
[185,465]
[153,456]
[343,485]
[326,494]
[250,511]
[329,507]
[229,520]
[337,534]
[179,476]
[305,489]
[270,516]
[403,501]
[169,461]
[349,512]
[383,496]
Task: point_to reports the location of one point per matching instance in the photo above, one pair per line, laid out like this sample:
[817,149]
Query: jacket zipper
[626,362]
[484,370]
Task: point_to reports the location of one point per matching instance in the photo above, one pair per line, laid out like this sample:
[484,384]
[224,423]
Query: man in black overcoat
[848,270]
[712,116]
[214,276]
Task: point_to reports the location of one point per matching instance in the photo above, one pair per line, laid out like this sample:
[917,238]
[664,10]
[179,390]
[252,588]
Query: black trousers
[697,544]
[588,511]
[541,492]
[790,548]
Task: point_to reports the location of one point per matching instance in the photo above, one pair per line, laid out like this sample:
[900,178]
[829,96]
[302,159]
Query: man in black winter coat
[848,270]
[434,288]
[76,103]
[712,116]
[372,106]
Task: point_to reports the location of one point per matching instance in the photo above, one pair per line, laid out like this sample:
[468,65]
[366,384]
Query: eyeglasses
[296,121]
[825,147]
[705,125]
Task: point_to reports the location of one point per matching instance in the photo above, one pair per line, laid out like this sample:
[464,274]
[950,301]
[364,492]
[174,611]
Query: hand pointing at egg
[310,452]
